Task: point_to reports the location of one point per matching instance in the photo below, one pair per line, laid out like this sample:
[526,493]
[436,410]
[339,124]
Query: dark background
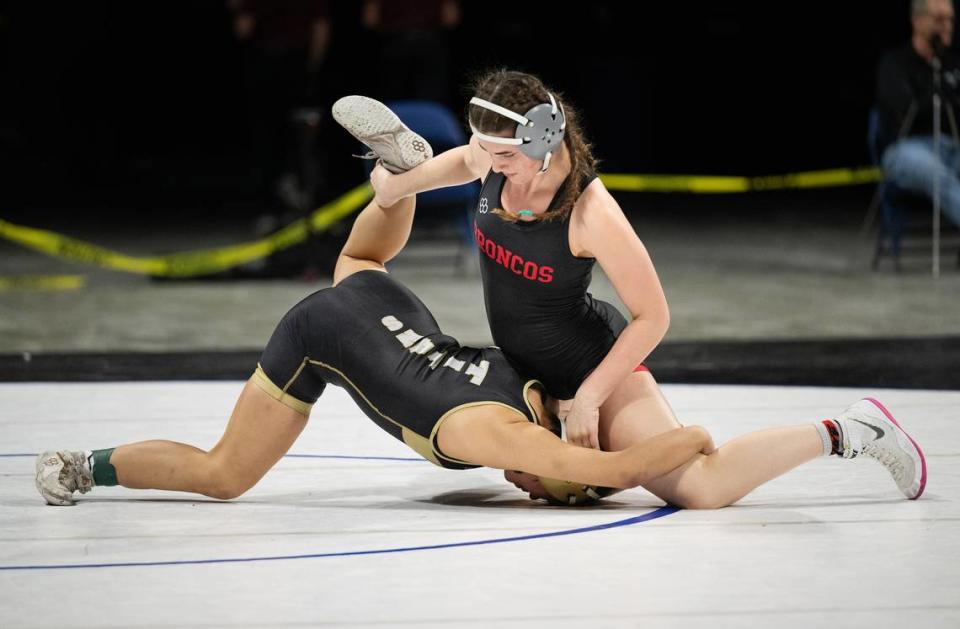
[117,107]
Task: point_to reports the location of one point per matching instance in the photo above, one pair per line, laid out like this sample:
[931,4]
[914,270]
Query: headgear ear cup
[539,132]
[544,132]
[564,492]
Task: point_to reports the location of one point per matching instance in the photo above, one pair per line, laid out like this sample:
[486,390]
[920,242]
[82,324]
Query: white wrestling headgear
[538,133]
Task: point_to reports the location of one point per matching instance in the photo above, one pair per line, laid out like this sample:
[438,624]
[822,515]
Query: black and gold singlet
[374,337]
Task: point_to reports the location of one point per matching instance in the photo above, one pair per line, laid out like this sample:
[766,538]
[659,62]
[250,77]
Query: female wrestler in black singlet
[542,220]
[458,407]
[540,226]
[463,407]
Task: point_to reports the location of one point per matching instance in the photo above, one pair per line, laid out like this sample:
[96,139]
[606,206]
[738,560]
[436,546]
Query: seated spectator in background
[905,88]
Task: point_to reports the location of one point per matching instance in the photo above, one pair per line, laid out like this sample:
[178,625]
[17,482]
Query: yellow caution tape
[208,261]
[188,263]
[42,282]
[727,185]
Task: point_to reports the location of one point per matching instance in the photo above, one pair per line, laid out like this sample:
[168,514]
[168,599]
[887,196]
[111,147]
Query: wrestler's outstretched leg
[259,433]
[638,410]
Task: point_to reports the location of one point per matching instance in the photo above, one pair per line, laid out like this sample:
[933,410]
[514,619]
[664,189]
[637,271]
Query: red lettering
[507,259]
[503,256]
[530,270]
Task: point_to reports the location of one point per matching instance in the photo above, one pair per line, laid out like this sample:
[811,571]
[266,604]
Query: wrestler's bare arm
[509,442]
[457,166]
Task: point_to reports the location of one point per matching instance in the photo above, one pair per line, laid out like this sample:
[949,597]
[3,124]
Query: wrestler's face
[509,160]
[938,19]
[528,483]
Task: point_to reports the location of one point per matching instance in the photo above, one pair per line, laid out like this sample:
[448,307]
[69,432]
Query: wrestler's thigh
[636,410]
[259,433]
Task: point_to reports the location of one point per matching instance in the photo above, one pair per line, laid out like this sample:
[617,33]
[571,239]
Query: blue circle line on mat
[646,517]
[653,515]
[291,456]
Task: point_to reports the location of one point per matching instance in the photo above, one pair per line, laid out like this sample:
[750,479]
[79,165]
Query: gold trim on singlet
[296,374]
[262,380]
[526,400]
[436,427]
[419,444]
[424,446]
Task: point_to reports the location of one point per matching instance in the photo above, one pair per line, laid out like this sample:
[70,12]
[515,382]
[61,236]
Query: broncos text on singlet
[535,291]
[376,339]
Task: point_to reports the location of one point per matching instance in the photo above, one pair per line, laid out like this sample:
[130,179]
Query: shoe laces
[393,168]
[888,459]
[852,445]
[81,477]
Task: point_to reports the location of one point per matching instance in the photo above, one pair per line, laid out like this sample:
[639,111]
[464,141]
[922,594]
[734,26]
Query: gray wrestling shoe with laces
[372,122]
[60,473]
[869,429]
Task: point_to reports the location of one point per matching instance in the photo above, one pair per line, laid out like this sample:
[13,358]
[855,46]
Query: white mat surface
[327,541]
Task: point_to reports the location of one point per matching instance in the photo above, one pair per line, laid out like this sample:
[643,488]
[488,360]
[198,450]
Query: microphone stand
[936,151]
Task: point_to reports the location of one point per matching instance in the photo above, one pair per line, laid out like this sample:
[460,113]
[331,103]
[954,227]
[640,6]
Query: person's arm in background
[896,93]
[951,81]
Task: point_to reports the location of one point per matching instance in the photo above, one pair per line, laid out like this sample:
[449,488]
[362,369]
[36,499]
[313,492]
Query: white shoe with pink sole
[870,429]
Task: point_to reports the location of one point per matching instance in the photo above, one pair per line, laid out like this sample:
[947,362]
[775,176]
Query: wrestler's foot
[60,473]
[868,428]
[372,122]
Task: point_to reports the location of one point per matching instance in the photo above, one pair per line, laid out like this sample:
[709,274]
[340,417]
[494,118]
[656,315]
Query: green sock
[104,474]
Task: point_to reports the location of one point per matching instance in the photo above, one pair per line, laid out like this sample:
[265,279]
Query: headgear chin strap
[539,132]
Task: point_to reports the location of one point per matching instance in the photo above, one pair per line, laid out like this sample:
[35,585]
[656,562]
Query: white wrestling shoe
[870,429]
[372,122]
[60,473]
